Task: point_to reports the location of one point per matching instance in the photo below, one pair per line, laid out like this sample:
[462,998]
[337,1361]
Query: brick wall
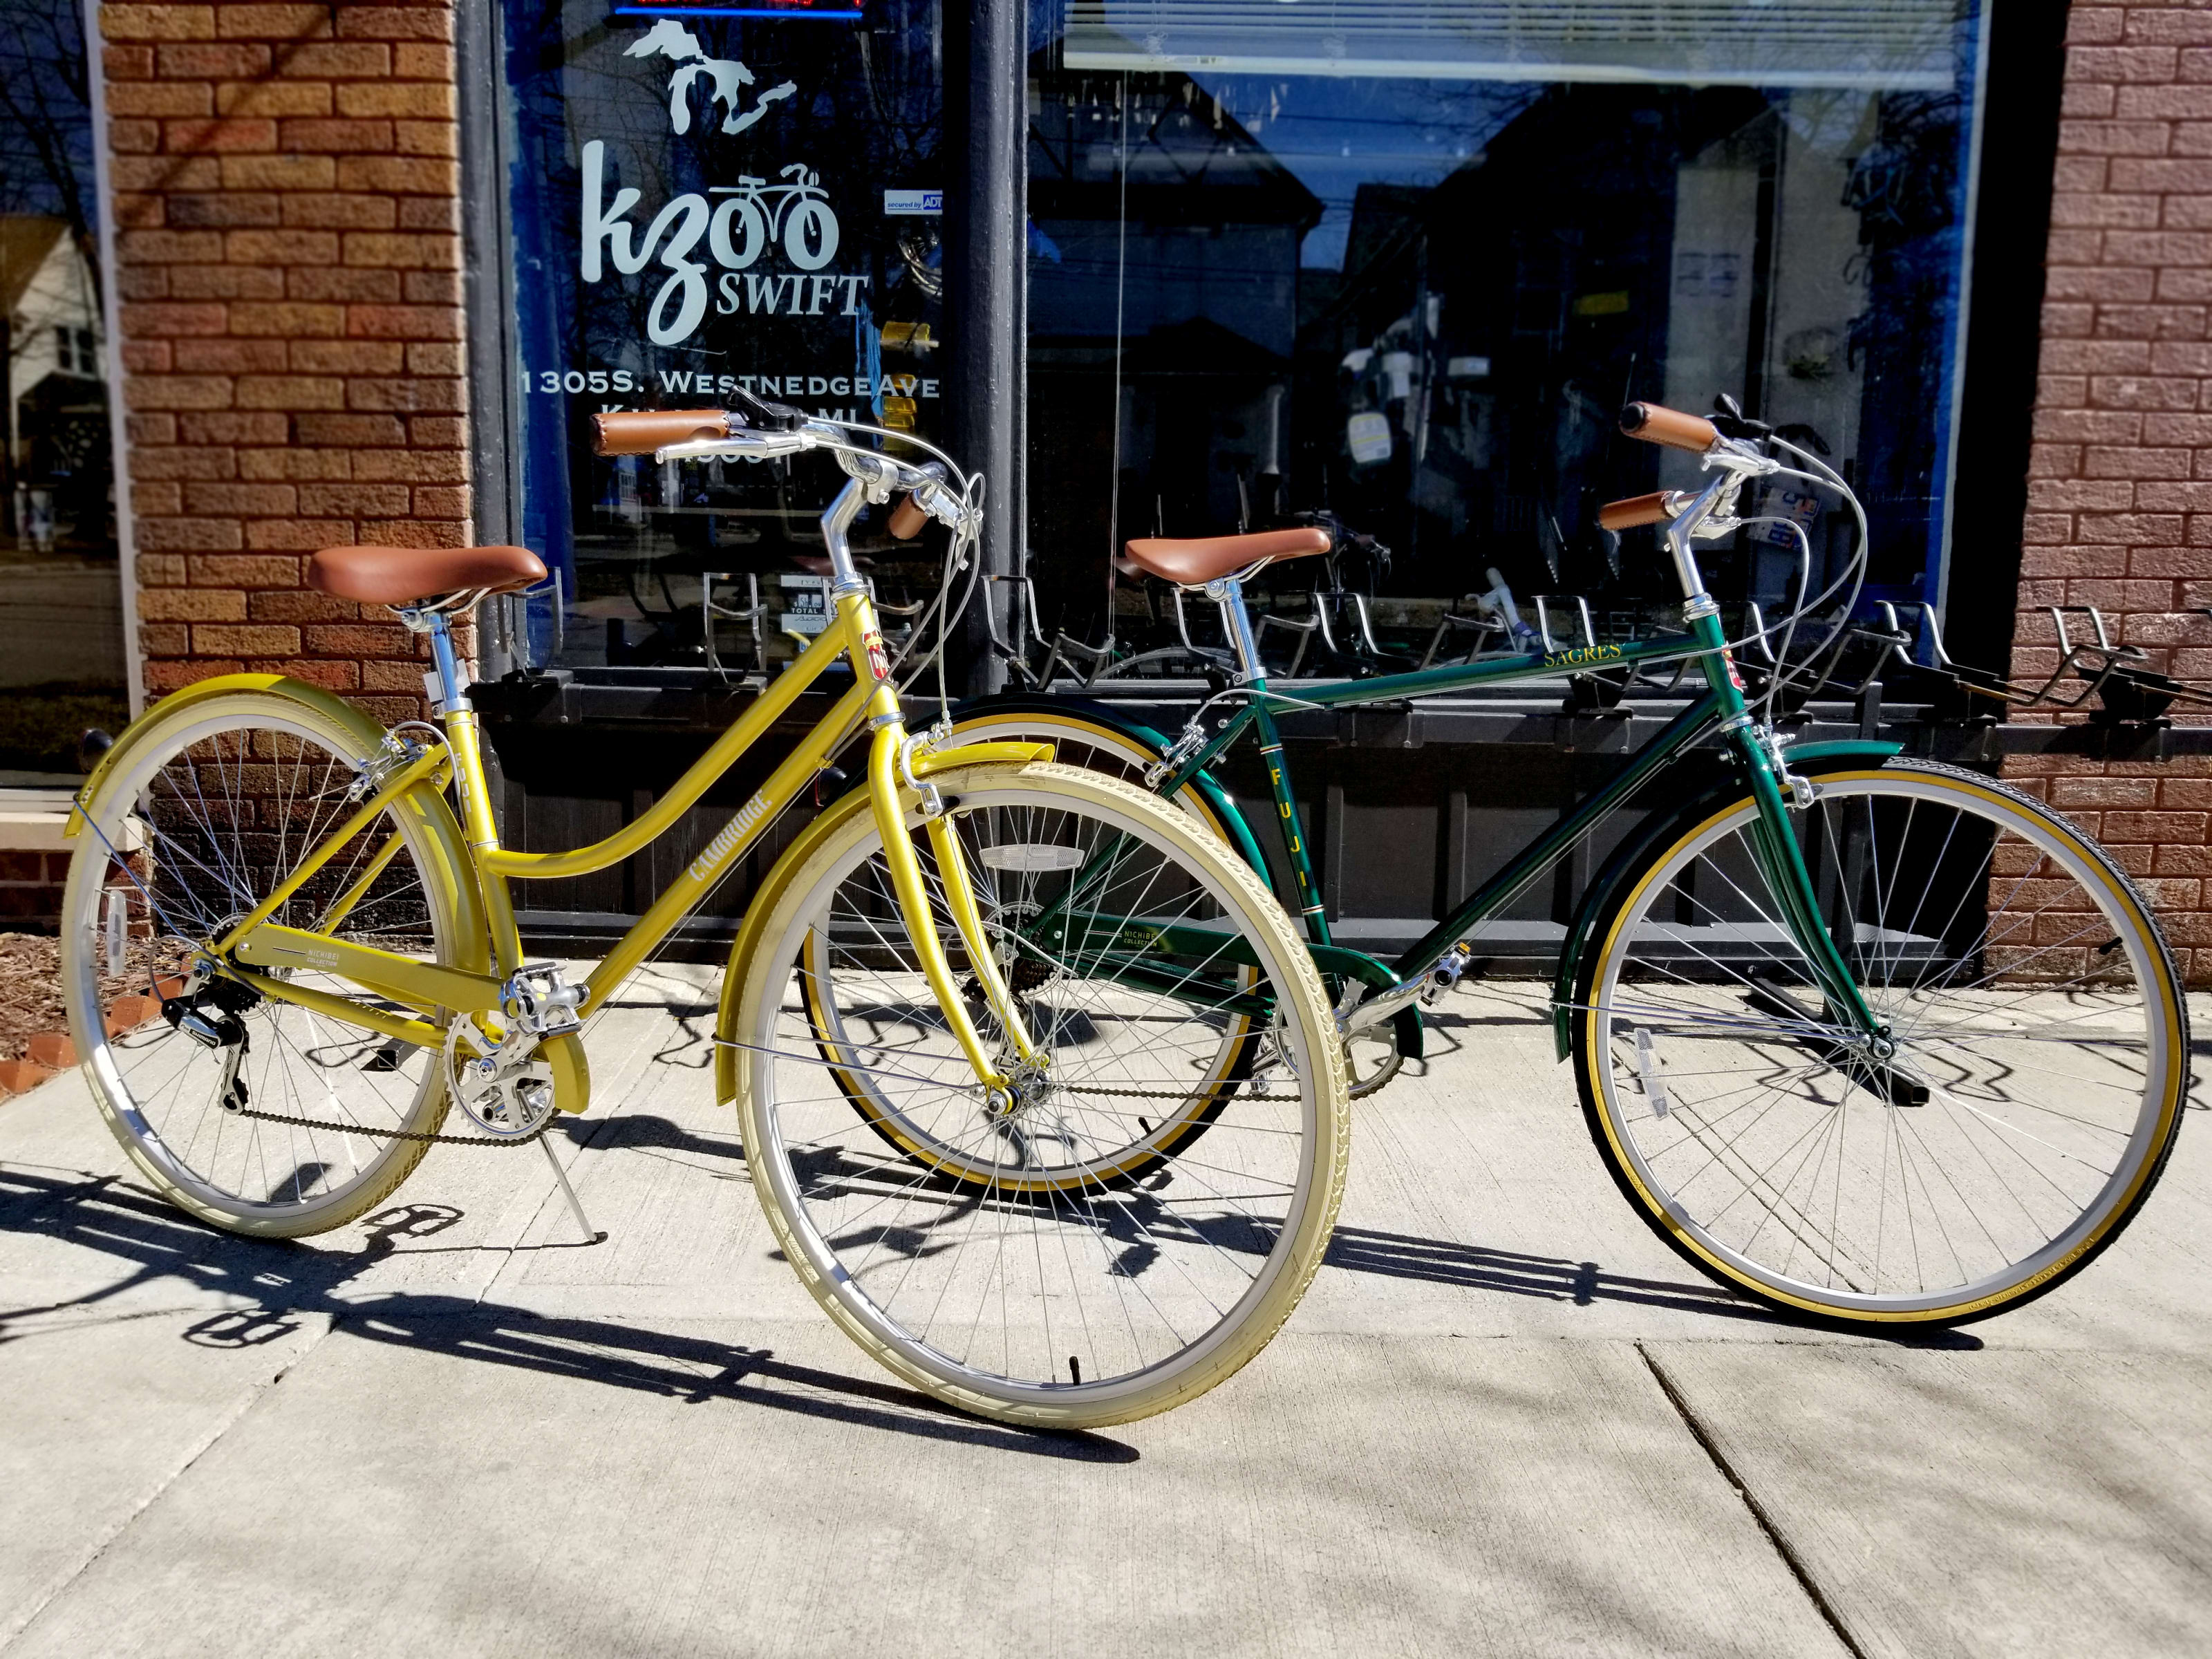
[287,210]
[2120,492]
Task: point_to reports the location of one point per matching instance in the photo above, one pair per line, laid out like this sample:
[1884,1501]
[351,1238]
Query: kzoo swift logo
[744,221]
[751,216]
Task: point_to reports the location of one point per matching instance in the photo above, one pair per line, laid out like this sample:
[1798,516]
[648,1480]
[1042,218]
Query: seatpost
[452,693]
[1228,593]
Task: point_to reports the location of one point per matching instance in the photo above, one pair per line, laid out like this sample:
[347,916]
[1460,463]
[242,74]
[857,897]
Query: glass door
[703,197]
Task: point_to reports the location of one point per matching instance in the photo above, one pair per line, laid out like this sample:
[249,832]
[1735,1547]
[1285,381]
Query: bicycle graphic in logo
[757,214]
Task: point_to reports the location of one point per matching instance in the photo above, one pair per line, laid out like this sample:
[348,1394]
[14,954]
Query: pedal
[540,1001]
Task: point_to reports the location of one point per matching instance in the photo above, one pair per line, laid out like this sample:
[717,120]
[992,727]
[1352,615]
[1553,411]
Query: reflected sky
[1336,133]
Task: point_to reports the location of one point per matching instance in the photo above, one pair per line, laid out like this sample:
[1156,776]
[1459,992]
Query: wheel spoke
[2020,1087]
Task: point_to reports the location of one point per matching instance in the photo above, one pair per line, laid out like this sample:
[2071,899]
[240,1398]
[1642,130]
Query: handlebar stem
[836,520]
[1696,601]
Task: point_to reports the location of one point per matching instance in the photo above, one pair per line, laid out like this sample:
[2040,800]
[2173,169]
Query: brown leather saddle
[408,575]
[1195,563]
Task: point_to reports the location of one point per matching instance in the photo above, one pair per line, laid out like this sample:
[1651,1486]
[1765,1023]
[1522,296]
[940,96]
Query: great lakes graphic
[725,77]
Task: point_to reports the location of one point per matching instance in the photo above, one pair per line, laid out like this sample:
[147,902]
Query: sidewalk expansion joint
[1791,1559]
[254,1394]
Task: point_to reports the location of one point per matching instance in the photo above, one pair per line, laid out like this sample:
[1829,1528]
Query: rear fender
[1219,800]
[472,941]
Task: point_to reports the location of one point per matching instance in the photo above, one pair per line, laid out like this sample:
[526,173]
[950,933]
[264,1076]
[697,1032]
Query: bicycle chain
[1165,1094]
[394,1134]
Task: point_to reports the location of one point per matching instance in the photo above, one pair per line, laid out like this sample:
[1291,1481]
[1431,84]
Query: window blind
[1876,45]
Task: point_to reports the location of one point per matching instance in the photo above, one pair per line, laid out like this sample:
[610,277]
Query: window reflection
[1417,299]
[62,667]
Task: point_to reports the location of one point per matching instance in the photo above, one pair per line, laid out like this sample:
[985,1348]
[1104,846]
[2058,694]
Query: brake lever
[766,417]
[1730,421]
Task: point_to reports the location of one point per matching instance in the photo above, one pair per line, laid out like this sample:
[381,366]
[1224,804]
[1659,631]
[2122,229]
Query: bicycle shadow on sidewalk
[290,1282]
[1362,1250]
[1555,1279]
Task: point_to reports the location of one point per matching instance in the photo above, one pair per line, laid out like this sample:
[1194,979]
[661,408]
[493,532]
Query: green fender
[1811,759]
[1330,959]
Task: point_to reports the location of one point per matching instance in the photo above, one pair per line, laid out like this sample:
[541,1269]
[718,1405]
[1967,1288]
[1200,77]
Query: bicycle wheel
[1018,1270]
[196,821]
[1371,1057]
[2041,1050]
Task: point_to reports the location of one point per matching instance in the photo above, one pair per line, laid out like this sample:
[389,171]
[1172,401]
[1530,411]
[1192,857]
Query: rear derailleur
[209,1010]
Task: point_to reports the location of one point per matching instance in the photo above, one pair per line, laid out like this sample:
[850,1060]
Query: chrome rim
[2010,1112]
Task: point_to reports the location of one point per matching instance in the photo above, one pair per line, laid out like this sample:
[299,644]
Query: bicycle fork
[907,883]
[1782,868]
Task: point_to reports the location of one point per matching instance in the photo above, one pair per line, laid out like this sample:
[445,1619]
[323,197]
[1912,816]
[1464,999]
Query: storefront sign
[698,207]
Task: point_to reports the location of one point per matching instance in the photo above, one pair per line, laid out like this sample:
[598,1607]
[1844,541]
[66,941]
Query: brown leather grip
[641,431]
[907,519]
[1656,424]
[1655,509]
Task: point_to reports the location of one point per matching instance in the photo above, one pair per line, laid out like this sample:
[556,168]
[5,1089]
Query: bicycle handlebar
[641,431]
[708,433]
[1656,424]
[1657,507]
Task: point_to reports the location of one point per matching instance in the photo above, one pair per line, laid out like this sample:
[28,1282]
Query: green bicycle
[1877,1040]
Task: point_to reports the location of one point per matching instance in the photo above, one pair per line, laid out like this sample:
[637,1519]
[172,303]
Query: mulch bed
[31,986]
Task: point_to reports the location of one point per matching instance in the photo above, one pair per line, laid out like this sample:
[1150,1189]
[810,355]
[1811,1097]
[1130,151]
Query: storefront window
[1405,264]
[705,196]
[62,667]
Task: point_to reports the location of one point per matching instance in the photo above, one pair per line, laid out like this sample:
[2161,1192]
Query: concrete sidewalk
[1506,1421]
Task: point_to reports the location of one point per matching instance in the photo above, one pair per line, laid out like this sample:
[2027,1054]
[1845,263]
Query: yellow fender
[826,824]
[473,940]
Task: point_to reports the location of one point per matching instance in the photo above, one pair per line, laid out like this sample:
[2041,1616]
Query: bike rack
[1304,630]
[752,615]
[1822,667]
[510,615]
[1485,624]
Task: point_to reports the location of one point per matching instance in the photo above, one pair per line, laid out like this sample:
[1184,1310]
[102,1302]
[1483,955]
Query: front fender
[826,824]
[1810,760]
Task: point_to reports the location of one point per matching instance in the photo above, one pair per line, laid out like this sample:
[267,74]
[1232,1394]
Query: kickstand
[575,1205]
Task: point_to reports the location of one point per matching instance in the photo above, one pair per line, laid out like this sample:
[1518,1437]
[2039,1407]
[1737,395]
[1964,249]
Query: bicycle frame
[255,944]
[1722,707]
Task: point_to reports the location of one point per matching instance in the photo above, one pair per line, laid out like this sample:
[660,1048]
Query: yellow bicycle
[988,1180]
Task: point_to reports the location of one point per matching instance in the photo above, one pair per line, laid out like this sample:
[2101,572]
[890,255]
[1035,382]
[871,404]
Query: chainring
[507,1092]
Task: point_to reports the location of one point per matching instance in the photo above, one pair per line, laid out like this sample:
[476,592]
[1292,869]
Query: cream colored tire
[198,784]
[1158,1292]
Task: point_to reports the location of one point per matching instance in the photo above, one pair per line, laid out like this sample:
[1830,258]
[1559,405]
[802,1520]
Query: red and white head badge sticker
[879,661]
